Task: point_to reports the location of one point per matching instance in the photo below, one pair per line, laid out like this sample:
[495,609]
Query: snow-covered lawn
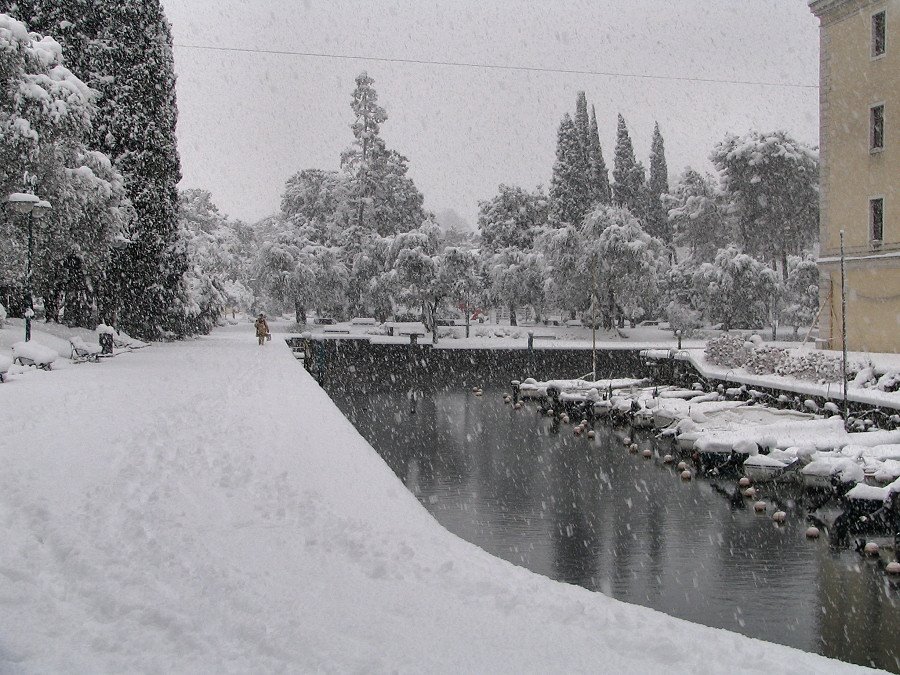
[204,506]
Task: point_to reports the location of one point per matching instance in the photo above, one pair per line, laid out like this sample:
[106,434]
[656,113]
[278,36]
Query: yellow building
[859,138]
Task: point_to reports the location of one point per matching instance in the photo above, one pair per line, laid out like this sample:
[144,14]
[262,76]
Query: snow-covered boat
[828,468]
[782,466]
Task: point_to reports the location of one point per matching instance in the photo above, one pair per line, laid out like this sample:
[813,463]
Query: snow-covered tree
[517,279]
[620,261]
[697,216]
[582,122]
[457,279]
[512,218]
[656,220]
[601,193]
[771,181]
[45,120]
[135,127]
[565,285]
[801,292]
[738,289]
[318,203]
[569,189]
[627,173]
[218,247]
[366,126]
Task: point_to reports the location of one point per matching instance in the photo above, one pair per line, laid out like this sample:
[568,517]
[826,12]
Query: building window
[876,219]
[878,34]
[876,127]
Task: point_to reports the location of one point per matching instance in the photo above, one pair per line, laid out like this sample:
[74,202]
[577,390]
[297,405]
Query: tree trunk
[612,309]
[300,311]
[512,316]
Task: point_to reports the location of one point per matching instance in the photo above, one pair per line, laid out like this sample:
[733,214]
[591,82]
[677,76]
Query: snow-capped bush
[813,366]
[766,360]
[727,350]
[889,382]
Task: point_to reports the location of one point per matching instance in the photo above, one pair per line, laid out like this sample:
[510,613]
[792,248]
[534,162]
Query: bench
[363,321]
[543,337]
[82,351]
[32,354]
[334,331]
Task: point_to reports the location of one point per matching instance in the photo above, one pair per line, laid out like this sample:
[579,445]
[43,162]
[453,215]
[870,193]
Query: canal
[588,512]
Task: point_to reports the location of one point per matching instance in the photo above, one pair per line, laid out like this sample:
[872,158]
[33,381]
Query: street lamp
[28,205]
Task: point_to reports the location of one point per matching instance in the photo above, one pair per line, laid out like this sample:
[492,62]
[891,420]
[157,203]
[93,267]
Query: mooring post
[515,390]
[530,342]
[413,339]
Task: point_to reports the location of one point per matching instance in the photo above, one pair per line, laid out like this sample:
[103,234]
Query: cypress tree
[569,189]
[599,174]
[136,129]
[628,175]
[658,184]
[582,123]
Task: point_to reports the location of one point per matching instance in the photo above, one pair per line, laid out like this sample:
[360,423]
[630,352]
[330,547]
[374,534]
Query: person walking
[262,329]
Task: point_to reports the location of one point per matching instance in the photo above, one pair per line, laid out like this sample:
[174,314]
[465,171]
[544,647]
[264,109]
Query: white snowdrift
[204,507]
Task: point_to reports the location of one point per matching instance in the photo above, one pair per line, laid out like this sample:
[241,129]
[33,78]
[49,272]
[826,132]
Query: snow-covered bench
[5,363]
[33,354]
[363,321]
[120,339]
[82,351]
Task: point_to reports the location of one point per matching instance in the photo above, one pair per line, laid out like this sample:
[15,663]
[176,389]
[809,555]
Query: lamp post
[33,207]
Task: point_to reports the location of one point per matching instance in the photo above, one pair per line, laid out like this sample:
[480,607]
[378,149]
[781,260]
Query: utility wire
[494,66]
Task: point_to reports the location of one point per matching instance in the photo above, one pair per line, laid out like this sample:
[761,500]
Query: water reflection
[588,512]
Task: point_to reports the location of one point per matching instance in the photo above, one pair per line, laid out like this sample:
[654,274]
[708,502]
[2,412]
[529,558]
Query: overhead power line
[495,66]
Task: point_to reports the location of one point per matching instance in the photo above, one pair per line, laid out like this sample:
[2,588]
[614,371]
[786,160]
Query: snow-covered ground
[204,506]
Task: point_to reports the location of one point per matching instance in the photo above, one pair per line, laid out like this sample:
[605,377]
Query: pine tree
[656,220]
[369,145]
[569,190]
[628,176]
[599,175]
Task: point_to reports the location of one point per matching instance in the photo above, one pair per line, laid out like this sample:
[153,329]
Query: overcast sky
[248,121]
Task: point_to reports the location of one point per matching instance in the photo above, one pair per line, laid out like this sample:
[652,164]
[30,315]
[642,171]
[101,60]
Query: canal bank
[204,506]
[377,365]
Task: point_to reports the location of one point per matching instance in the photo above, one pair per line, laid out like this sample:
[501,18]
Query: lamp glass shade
[21,202]
[40,209]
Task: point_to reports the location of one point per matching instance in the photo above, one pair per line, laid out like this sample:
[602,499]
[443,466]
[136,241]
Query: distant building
[859,138]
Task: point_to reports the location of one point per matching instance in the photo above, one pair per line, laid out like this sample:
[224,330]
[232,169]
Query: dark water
[589,513]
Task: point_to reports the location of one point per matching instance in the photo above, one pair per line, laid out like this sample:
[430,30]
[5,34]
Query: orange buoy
[686,475]
[759,506]
[779,516]
[812,533]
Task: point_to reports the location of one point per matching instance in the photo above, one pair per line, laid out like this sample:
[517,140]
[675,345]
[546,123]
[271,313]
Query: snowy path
[205,507]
